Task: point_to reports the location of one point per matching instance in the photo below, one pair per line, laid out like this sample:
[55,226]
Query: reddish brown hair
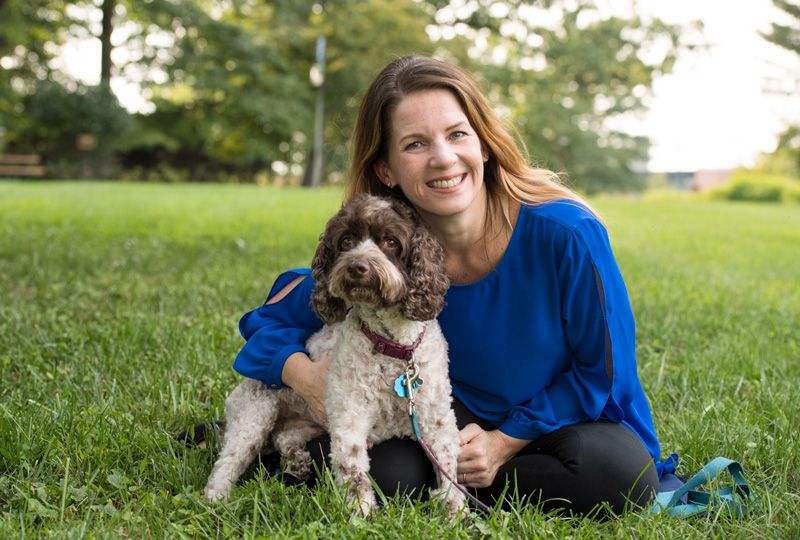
[506,173]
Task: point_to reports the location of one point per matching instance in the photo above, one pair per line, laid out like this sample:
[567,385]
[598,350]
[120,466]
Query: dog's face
[376,252]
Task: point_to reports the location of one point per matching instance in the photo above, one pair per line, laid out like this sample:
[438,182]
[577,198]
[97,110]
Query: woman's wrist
[506,446]
[295,369]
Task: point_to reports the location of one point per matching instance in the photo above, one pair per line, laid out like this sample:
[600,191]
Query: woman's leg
[396,465]
[578,467]
[575,468]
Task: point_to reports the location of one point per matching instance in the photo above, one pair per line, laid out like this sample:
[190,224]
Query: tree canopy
[786,158]
[230,97]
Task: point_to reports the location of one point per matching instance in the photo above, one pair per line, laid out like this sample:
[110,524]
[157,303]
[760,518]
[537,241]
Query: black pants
[575,468]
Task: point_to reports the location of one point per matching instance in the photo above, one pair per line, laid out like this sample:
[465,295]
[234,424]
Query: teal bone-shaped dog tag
[400,386]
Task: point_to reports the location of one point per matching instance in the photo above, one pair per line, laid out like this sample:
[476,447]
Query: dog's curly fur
[377,257]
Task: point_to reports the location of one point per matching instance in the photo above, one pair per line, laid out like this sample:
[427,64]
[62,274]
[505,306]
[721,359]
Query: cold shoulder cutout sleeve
[275,331]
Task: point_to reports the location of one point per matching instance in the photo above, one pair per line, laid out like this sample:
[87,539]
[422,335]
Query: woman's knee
[396,465]
[622,472]
[582,468]
[399,466]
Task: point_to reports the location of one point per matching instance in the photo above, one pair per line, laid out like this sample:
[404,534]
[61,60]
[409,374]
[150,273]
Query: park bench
[21,165]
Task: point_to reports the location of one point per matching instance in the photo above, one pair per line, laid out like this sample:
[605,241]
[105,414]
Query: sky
[712,112]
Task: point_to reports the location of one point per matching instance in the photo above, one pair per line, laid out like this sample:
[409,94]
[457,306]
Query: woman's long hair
[506,173]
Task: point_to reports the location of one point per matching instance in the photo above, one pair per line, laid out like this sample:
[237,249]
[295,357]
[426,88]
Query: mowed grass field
[118,326]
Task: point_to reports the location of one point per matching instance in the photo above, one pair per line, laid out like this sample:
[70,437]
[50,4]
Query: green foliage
[750,185]
[57,117]
[228,81]
[237,92]
[26,29]
[786,158]
[783,35]
[118,328]
[565,85]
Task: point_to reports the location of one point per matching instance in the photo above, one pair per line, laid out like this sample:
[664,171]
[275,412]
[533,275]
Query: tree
[786,36]
[105,43]
[786,158]
[566,84]
[230,81]
[30,33]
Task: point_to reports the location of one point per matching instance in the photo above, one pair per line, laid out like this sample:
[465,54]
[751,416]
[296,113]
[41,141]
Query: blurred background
[620,96]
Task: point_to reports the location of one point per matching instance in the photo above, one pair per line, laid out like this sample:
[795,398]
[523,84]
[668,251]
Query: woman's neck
[475,241]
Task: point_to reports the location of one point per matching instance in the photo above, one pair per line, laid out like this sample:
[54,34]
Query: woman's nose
[442,155]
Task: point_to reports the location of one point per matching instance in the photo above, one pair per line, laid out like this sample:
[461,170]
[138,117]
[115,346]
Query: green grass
[118,327]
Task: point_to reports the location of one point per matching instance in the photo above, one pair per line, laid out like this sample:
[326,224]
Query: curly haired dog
[376,258]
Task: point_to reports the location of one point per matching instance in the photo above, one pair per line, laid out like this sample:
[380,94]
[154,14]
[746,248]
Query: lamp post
[313,173]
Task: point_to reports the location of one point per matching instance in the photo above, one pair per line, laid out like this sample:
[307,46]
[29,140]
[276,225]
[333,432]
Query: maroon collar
[391,348]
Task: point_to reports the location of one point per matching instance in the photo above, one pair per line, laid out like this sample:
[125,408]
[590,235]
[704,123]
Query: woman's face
[434,155]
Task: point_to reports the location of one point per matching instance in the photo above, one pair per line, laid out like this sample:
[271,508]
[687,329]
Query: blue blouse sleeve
[276,331]
[598,326]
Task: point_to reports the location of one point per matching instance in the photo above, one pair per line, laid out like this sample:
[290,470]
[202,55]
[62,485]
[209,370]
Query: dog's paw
[217,493]
[455,503]
[363,503]
[364,509]
[298,462]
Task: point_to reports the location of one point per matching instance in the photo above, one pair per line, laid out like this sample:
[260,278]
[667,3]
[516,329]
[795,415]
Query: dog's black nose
[358,268]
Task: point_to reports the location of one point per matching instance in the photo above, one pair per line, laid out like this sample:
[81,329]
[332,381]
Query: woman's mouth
[445,183]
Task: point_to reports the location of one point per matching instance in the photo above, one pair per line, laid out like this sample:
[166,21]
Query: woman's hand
[310,380]
[482,454]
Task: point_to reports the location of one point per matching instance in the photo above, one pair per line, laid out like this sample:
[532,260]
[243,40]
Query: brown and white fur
[378,259]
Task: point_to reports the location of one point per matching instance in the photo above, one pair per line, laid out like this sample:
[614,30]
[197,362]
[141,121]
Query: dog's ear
[329,308]
[427,278]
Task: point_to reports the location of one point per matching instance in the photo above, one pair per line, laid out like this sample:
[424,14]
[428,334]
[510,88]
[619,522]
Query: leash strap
[432,457]
[688,501]
[404,386]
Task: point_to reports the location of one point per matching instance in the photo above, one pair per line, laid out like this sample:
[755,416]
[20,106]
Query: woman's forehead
[426,110]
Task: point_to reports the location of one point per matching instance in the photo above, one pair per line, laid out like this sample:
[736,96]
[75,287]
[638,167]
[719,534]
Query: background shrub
[748,185]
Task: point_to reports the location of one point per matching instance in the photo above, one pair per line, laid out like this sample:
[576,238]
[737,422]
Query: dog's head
[377,252]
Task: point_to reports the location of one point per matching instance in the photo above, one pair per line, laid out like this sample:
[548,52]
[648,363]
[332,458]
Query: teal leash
[404,386]
[688,501]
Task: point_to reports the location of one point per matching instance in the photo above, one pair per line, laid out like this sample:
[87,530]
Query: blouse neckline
[507,254]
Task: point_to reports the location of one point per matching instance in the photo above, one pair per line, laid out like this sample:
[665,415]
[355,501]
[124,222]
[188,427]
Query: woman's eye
[346,242]
[458,134]
[413,146]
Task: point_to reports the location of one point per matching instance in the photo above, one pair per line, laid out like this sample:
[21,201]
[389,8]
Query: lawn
[118,328]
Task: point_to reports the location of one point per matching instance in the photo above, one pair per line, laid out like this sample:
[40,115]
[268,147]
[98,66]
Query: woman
[540,329]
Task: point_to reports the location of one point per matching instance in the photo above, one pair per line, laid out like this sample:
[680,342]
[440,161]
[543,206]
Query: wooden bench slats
[22,170]
[20,159]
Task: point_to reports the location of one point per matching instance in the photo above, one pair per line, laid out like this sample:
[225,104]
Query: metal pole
[317,76]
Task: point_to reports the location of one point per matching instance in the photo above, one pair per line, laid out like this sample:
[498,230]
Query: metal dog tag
[400,386]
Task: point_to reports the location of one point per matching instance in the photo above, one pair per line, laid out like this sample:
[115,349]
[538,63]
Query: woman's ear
[383,173]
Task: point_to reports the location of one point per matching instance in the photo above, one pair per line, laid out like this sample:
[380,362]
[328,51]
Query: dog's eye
[390,243]
[346,242]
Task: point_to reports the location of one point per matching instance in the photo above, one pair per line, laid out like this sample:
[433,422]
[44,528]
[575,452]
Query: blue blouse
[532,343]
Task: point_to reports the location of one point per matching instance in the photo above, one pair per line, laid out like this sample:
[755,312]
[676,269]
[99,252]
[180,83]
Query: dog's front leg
[349,457]
[439,429]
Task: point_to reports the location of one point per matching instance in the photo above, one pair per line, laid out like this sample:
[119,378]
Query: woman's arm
[276,333]
[310,380]
[599,328]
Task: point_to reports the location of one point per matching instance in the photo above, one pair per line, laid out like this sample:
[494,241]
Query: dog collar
[389,347]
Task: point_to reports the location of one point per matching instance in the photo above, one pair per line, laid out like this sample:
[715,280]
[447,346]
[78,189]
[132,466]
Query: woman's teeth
[443,184]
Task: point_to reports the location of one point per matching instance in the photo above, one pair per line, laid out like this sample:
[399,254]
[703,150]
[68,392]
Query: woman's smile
[447,183]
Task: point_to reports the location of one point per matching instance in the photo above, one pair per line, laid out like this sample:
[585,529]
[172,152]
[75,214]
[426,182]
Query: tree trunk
[105,43]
